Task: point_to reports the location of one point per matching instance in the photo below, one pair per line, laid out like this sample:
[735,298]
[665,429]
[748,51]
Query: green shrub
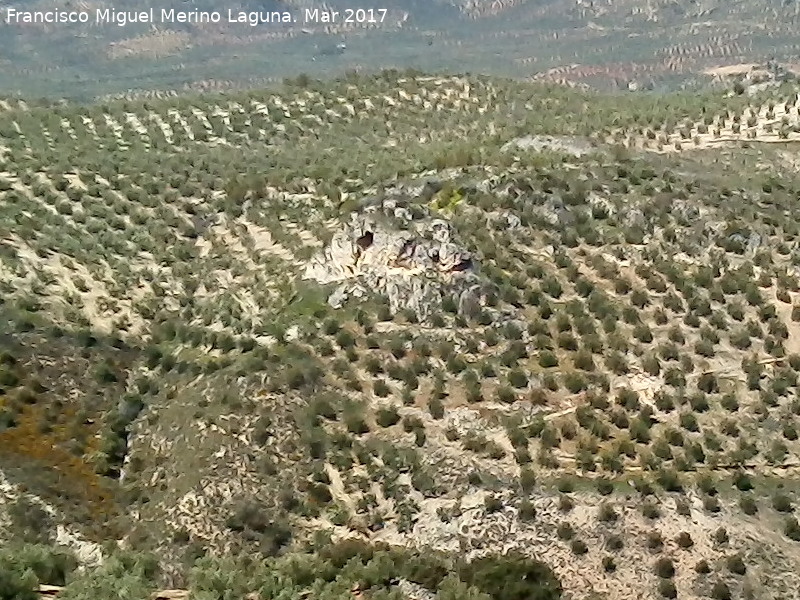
[748,504]
[781,502]
[702,567]
[742,481]
[655,541]
[104,373]
[565,531]
[356,424]
[614,542]
[721,536]
[517,378]
[574,382]
[735,564]
[512,577]
[721,591]
[609,565]
[506,395]
[23,568]
[547,359]
[665,568]
[380,388]
[669,480]
[492,504]
[605,486]
[387,416]
[650,510]
[791,529]
[126,576]
[607,514]
[583,360]
[527,479]
[436,408]
[452,588]
[667,589]
[578,547]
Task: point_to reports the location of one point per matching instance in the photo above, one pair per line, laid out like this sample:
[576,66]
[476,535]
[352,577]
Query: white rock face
[88,554]
[384,250]
[538,143]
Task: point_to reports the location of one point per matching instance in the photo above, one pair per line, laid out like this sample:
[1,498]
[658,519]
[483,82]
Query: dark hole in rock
[464,265]
[365,241]
[417,213]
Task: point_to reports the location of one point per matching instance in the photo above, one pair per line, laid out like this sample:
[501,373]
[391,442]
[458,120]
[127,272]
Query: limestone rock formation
[390,249]
[538,143]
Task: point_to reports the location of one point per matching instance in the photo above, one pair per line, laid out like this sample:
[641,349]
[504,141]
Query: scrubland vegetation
[620,408]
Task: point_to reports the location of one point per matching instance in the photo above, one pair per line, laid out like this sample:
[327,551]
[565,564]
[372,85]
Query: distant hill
[621,43]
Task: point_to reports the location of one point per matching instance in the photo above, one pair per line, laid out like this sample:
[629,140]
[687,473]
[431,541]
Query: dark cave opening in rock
[464,265]
[365,241]
[405,254]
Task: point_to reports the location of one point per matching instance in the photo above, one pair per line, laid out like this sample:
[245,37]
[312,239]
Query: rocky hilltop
[394,248]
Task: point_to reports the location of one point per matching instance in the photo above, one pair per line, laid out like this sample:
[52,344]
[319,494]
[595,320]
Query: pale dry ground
[791,160]
[726,71]
[246,241]
[156,44]
[730,70]
[475,532]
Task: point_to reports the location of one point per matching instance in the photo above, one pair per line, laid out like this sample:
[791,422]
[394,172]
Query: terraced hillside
[445,314]
[660,44]
[776,122]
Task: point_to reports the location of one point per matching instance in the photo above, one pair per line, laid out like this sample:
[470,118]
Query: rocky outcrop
[538,143]
[393,248]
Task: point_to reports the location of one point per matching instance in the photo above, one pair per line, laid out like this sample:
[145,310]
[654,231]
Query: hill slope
[232,322]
